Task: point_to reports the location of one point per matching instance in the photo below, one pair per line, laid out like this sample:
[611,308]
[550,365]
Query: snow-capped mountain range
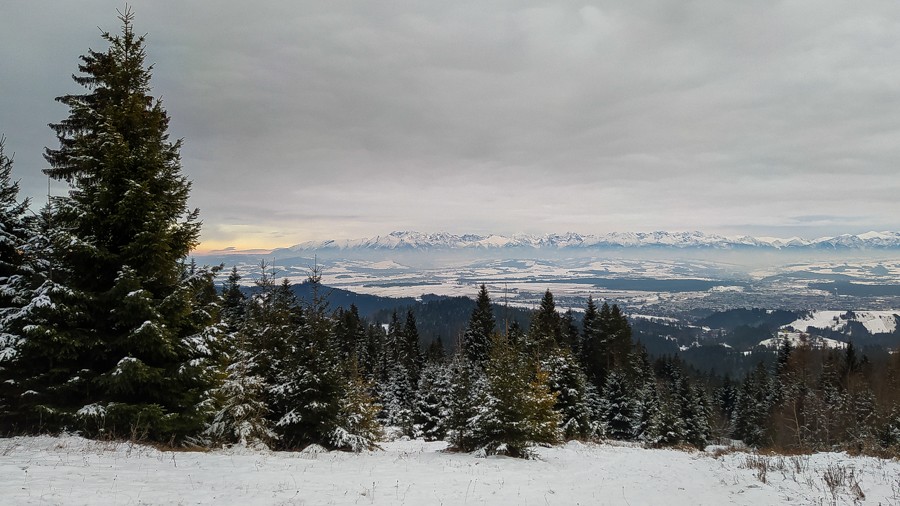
[417,241]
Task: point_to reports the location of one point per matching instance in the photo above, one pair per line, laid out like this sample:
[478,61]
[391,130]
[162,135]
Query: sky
[312,120]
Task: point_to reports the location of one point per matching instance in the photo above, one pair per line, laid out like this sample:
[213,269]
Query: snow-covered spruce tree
[412,352]
[23,352]
[695,412]
[372,362]
[309,379]
[726,400]
[477,337]
[861,427]
[269,328]
[233,301]
[889,432]
[242,415]
[545,332]
[393,388]
[647,428]
[432,404]
[754,403]
[515,411]
[17,284]
[397,388]
[570,334]
[242,411]
[651,427]
[396,396]
[128,347]
[619,341]
[14,234]
[436,352]
[350,334]
[467,382]
[619,412]
[832,406]
[357,427]
[569,384]
[594,345]
[594,403]
[550,341]
[671,425]
[516,334]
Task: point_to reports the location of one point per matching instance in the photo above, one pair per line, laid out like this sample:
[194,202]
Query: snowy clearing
[876,322]
[72,470]
[803,339]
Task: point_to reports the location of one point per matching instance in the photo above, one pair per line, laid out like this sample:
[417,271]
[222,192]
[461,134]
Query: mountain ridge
[412,241]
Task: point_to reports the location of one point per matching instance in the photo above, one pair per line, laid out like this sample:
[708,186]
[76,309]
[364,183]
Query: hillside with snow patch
[875,322]
[798,339]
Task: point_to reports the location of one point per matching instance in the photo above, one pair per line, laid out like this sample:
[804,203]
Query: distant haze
[333,120]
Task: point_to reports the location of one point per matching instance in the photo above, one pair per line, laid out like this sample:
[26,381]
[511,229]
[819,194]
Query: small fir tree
[436,352]
[569,333]
[18,283]
[619,411]
[477,338]
[545,332]
[242,417]
[412,353]
[357,426]
[309,383]
[467,382]
[350,334]
[594,346]
[233,301]
[14,235]
[24,350]
[432,404]
[568,384]
[396,397]
[516,408]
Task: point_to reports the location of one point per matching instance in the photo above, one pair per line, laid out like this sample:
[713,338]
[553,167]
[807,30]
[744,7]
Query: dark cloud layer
[335,119]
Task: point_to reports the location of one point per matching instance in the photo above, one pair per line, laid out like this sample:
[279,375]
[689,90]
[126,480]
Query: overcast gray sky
[331,119]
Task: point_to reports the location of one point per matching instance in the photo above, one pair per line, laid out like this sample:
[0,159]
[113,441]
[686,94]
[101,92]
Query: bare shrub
[758,463]
[837,477]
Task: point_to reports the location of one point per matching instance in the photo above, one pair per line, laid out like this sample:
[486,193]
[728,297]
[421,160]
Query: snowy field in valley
[71,470]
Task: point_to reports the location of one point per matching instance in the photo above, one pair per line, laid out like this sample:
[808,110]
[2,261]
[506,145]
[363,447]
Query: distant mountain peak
[438,241]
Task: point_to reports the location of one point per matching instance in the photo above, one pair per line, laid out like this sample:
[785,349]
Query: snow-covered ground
[71,470]
[876,322]
[803,339]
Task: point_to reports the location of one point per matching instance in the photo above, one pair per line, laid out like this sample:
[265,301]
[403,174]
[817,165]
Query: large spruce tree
[126,346]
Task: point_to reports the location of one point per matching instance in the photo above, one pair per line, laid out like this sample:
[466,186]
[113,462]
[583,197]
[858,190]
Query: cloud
[308,120]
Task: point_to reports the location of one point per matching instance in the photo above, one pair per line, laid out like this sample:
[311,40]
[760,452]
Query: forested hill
[366,304]
[436,316]
[446,317]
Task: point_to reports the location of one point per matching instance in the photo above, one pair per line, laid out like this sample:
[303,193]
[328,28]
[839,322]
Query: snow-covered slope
[798,339]
[72,471]
[445,241]
[876,322]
